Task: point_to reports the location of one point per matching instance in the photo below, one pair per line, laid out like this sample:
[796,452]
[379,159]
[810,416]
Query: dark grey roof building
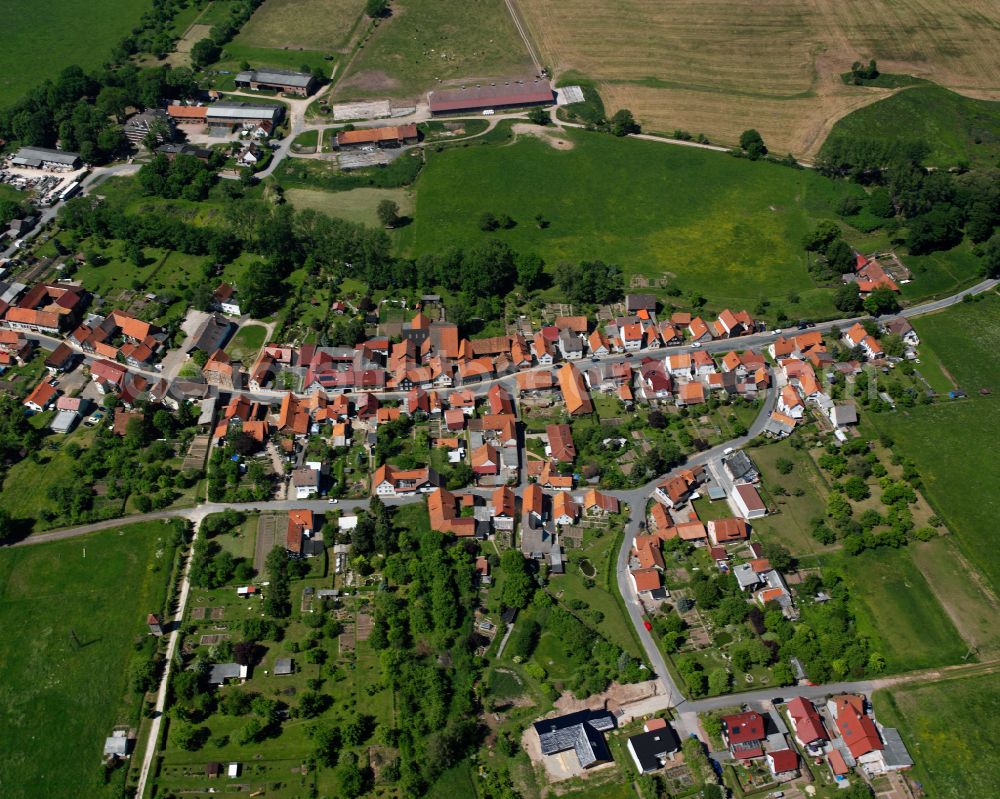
[583,732]
[226,113]
[283,80]
[740,468]
[222,672]
[640,302]
[172,149]
[211,335]
[42,156]
[649,750]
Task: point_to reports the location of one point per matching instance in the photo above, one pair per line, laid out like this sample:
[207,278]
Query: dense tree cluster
[83,111]
[590,282]
[752,144]
[861,72]
[185,176]
[938,207]
[854,464]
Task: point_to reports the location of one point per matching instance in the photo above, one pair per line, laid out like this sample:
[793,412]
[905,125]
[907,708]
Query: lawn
[34,51]
[356,205]
[950,729]
[455,782]
[599,547]
[247,342]
[727,228]
[307,141]
[805,498]
[896,608]
[939,274]
[116,272]
[957,129]
[425,42]
[301,24]
[98,589]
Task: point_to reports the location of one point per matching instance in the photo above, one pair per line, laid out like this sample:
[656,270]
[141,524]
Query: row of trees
[206,51]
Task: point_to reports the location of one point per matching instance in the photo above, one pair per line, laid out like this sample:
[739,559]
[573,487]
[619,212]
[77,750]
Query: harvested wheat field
[720,67]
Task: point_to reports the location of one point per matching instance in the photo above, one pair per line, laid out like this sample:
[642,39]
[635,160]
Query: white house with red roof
[857,336]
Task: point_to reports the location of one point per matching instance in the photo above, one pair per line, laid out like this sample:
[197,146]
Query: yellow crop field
[718,67]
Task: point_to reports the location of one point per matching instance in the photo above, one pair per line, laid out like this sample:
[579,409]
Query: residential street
[635,499]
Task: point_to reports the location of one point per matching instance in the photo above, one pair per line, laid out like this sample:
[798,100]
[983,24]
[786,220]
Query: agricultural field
[33,52]
[98,590]
[957,129]
[718,68]
[896,608]
[356,205]
[950,728]
[301,24]
[728,228]
[428,42]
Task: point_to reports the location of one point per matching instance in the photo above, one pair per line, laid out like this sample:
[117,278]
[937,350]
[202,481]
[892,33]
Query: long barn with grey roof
[282,80]
[38,157]
[227,114]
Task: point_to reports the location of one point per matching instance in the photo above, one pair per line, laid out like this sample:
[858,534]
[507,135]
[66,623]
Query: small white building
[748,502]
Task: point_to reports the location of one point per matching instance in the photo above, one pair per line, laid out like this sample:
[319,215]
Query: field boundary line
[522,29]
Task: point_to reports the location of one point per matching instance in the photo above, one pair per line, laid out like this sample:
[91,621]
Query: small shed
[233,770]
[118,744]
[213,770]
[283,667]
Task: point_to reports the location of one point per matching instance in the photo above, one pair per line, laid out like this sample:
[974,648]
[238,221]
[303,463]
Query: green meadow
[59,698]
[953,442]
[38,44]
[956,129]
[728,228]
[950,729]
[895,607]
